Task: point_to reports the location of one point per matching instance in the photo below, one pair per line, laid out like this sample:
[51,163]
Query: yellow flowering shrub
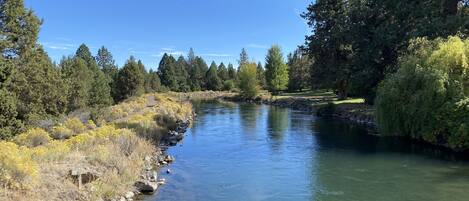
[33,138]
[17,169]
[75,125]
[56,150]
[90,124]
[61,132]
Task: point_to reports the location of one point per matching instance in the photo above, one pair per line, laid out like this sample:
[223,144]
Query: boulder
[146,186]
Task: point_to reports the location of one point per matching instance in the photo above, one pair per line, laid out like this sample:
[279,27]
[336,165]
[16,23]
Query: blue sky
[216,29]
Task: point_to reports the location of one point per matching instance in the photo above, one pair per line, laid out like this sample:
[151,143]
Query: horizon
[259,25]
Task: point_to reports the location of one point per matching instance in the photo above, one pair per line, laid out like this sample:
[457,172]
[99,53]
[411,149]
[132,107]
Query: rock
[146,186]
[129,195]
[169,159]
[122,199]
[161,181]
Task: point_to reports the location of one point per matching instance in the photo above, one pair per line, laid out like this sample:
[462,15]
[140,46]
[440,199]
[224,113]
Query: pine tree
[276,73]
[299,75]
[9,123]
[197,74]
[100,91]
[152,82]
[167,72]
[83,52]
[231,72]
[39,87]
[243,57]
[182,75]
[106,63]
[19,28]
[222,72]
[79,79]
[130,80]
[212,79]
[261,75]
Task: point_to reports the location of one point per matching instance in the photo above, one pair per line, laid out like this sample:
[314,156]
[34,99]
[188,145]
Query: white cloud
[168,49]
[216,55]
[173,53]
[58,46]
[259,46]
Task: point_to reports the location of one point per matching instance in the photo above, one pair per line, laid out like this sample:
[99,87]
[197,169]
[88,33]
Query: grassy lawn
[318,96]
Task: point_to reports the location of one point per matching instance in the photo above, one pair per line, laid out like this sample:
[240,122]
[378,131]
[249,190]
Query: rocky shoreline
[149,181]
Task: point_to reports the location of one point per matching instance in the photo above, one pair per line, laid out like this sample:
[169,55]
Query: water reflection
[248,115]
[277,123]
[258,152]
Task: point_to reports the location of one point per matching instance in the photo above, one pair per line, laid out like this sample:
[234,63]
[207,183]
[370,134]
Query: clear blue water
[258,152]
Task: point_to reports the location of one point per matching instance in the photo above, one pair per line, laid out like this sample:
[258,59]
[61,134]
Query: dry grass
[37,167]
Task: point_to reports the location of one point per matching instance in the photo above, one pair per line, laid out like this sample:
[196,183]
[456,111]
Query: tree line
[409,58]
[355,44]
[34,89]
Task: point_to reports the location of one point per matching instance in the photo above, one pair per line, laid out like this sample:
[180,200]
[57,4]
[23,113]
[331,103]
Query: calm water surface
[257,152]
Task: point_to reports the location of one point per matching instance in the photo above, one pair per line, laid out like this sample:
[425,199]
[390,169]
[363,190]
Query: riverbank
[322,103]
[77,159]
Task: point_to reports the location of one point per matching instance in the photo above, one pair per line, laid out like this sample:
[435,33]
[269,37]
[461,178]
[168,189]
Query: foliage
[197,74]
[75,125]
[222,72]
[61,132]
[17,169]
[428,97]
[299,76]
[213,82]
[78,77]
[167,72]
[229,85]
[19,28]
[232,74]
[152,82]
[9,124]
[355,44]
[261,75]
[40,89]
[107,65]
[248,83]
[276,72]
[33,138]
[243,57]
[130,80]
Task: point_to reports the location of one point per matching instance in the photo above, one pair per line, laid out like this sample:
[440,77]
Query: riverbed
[259,152]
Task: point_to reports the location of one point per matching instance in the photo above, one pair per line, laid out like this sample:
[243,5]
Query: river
[259,152]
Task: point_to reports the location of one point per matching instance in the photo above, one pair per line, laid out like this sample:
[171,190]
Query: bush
[248,83]
[75,125]
[228,85]
[17,169]
[61,132]
[428,96]
[33,138]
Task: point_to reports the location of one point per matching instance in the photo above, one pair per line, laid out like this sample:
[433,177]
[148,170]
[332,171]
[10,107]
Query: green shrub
[228,85]
[427,98]
[33,138]
[248,83]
